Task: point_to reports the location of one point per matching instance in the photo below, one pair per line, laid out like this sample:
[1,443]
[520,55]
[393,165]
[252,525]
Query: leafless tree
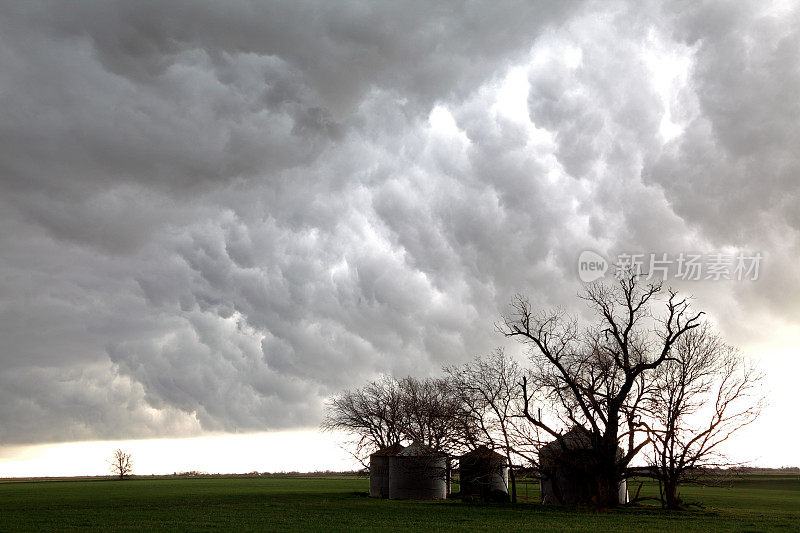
[373,415]
[431,414]
[596,378]
[391,411]
[121,463]
[489,393]
[704,393]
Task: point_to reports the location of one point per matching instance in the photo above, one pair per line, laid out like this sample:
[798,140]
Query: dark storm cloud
[215,215]
[734,172]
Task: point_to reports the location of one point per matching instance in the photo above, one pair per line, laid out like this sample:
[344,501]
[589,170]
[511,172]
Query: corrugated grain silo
[418,473]
[483,475]
[379,470]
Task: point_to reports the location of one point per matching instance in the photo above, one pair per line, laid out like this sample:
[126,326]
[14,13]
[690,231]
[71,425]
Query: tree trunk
[449,478]
[671,497]
[513,477]
[607,471]
[608,491]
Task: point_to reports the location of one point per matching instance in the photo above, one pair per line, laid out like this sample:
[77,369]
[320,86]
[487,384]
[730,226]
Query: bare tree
[373,415]
[121,463]
[390,411]
[431,414]
[704,393]
[489,392]
[596,378]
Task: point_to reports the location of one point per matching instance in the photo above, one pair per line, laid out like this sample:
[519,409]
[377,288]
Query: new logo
[591,266]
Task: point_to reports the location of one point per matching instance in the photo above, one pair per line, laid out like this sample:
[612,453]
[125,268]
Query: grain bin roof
[389,451]
[482,452]
[418,450]
[574,439]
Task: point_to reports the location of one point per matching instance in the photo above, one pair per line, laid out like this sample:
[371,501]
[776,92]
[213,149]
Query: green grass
[755,503]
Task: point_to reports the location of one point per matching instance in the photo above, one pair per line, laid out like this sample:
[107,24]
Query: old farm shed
[379,470]
[418,473]
[566,465]
[483,475]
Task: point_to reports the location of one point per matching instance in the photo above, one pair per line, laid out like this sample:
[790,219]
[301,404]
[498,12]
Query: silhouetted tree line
[648,376]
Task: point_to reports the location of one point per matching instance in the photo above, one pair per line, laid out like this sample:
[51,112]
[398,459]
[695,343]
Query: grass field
[754,503]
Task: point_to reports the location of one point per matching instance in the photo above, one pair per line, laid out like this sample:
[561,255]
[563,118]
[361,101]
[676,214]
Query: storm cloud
[213,216]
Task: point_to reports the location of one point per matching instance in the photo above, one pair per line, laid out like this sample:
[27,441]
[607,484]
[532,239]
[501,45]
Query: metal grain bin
[379,470]
[483,475]
[568,471]
[418,473]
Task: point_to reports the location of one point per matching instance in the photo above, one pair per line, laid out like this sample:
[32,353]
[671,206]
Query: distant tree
[121,463]
[488,389]
[702,394]
[596,378]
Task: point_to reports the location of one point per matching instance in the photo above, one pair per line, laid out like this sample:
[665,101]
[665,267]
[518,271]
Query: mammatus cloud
[213,217]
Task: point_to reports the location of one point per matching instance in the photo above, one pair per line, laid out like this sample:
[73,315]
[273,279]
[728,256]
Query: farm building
[379,470]
[566,465]
[483,475]
[418,473]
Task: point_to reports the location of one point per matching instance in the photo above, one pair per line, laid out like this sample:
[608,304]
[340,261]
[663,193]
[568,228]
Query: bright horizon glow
[309,450]
[285,451]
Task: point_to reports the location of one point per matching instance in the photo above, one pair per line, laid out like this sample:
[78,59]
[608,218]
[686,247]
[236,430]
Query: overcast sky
[213,215]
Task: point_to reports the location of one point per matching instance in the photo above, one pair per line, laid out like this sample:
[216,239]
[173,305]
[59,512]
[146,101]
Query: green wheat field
[756,502]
